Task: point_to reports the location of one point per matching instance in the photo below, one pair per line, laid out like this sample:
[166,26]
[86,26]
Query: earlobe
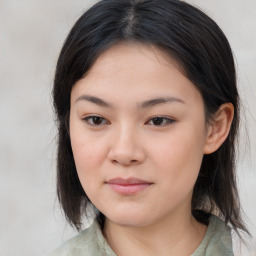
[219,128]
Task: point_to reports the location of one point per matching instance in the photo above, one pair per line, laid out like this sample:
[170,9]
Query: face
[138,134]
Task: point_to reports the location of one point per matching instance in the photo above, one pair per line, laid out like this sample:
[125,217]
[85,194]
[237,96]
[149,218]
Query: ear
[219,129]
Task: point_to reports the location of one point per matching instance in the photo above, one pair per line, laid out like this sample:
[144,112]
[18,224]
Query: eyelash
[168,120]
[91,119]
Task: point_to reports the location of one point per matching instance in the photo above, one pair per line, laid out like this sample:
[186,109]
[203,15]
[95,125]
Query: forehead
[147,56]
[135,70]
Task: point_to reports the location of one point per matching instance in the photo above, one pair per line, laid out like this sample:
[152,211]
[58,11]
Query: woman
[148,112]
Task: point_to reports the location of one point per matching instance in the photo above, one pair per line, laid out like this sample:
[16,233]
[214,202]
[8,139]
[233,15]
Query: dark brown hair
[204,54]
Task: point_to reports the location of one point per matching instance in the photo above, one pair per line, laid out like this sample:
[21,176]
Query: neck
[172,236]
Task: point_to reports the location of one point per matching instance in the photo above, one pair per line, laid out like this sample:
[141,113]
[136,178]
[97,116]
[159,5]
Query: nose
[126,148]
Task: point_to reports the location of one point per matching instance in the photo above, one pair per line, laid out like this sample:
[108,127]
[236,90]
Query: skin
[126,141]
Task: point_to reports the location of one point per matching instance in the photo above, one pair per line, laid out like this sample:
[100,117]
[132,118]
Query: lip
[128,186]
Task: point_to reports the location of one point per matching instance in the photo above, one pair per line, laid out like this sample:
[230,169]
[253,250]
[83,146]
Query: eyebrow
[145,104]
[94,100]
[157,101]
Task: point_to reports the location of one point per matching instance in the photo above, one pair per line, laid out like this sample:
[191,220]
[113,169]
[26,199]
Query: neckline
[214,224]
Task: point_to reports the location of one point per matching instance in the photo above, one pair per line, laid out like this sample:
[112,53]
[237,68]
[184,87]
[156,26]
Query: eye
[95,120]
[160,121]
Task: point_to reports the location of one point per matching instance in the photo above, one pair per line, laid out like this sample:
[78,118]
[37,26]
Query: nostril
[124,162]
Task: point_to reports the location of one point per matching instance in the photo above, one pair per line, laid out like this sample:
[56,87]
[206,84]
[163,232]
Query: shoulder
[217,240]
[221,239]
[76,246]
[88,242]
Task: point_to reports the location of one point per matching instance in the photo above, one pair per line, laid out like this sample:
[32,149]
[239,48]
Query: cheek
[87,156]
[179,158]
[89,152]
[180,149]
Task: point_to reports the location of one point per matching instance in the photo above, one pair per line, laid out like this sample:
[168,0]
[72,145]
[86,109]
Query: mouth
[128,186]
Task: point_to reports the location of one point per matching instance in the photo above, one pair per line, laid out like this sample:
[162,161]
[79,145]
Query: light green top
[91,242]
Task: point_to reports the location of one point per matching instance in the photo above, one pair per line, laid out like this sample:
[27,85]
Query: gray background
[31,34]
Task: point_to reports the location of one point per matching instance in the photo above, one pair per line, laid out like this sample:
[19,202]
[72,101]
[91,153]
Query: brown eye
[95,120]
[160,121]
